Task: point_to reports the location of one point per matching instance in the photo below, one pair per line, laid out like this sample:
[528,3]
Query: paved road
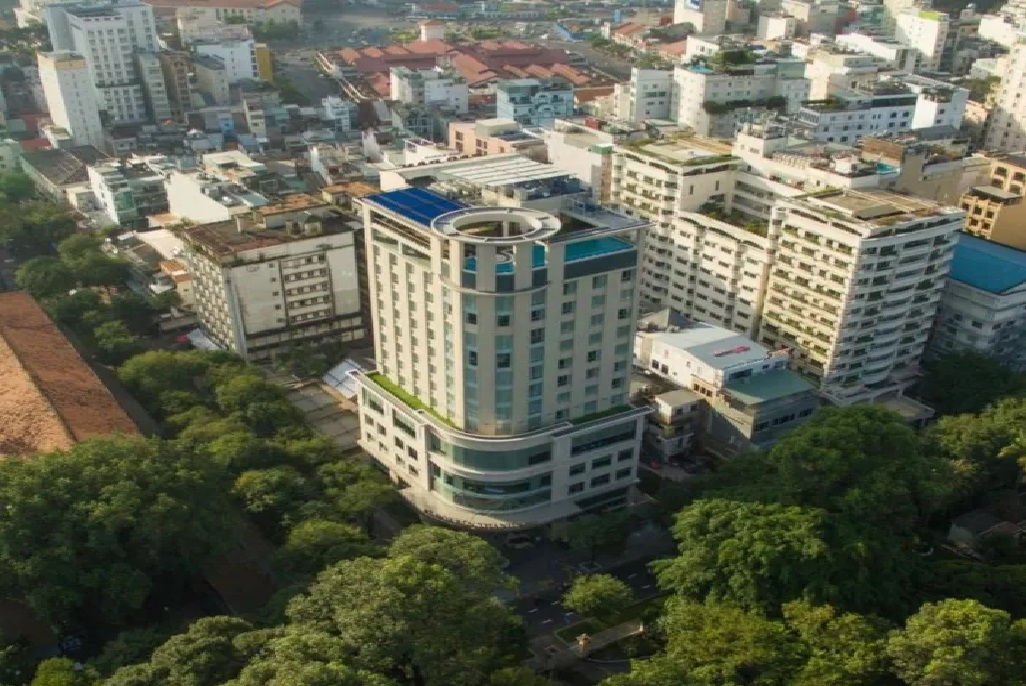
[545,614]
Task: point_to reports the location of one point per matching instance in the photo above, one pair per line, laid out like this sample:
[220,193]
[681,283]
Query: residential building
[251,11]
[894,53]
[70,96]
[831,69]
[996,210]
[494,137]
[201,24]
[155,91]
[776,26]
[265,65]
[212,80]
[854,286]
[983,306]
[926,32]
[128,192]
[227,184]
[813,16]
[534,102]
[237,56]
[61,174]
[647,95]
[51,398]
[277,277]
[500,400]
[438,87]
[339,115]
[710,99]
[1006,130]
[177,67]
[707,16]
[109,35]
[584,147]
[745,395]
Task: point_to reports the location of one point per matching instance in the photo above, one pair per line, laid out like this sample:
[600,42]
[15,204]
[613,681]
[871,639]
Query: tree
[35,228]
[212,651]
[240,451]
[134,310]
[959,643]
[76,248]
[101,271]
[72,310]
[477,564]
[270,494]
[590,532]
[114,342]
[44,277]
[420,622]
[355,490]
[963,382]
[839,649]
[115,514]
[60,671]
[598,595]
[755,555]
[16,186]
[314,544]
[127,648]
[308,657]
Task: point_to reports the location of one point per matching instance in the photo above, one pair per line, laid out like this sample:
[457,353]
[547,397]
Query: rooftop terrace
[875,207]
[683,151]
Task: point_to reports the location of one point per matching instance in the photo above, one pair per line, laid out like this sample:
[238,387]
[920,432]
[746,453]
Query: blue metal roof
[416,203]
[987,265]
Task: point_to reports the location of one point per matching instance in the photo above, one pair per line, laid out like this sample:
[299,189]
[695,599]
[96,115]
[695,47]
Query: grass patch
[412,401]
[569,634]
[619,409]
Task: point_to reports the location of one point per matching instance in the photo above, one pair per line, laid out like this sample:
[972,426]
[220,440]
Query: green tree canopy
[963,382]
[114,342]
[16,186]
[44,277]
[87,531]
[313,544]
[598,595]
[959,643]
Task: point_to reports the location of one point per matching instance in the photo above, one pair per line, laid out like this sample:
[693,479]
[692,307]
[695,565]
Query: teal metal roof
[987,265]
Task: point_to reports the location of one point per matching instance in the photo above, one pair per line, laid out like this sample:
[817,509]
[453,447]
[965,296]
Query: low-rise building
[238,57]
[647,95]
[130,191]
[534,102]
[746,395]
[495,137]
[59,173]
[983,306]
[280,276]
[997,211]
[438,87]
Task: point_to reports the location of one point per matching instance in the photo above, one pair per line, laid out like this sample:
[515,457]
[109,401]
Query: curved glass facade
[484,496]
[492,460]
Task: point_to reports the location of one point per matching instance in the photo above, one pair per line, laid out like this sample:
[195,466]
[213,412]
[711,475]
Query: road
[544,613]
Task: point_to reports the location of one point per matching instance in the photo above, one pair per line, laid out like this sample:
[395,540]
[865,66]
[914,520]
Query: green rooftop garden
[412,401]
[600,415]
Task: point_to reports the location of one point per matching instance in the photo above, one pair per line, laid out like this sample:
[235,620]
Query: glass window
[537,336]
[600,480]
[569,288]
[472,358]
[502,320]
[598,281]
[503,360]
[575,488]
[578,469]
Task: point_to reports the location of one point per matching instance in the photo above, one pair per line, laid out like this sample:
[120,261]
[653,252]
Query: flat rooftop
[227,238]
[505,171]
[881,208]
[767,386]
[716,346]
[50,398]
[692,151]
[987,265]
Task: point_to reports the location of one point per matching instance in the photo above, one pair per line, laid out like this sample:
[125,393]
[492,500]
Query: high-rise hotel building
[503,340]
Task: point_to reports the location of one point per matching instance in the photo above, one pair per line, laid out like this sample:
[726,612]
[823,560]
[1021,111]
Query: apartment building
[534,102]
[926,32]
[70,96]
[814,16]
[438,87]
[130,191]
[931,163]
[249,11]
[1006,130]
[238,57]
[500,398]
[177,67]
[280,276]
[212,82]
[108,35]
[647,95]
[746,395]
[831,69]
[707,16]
[854,286]
[997,211]
[584,147]
[155,89]
[894,53]
[983,306]
[495,136]
[708,99]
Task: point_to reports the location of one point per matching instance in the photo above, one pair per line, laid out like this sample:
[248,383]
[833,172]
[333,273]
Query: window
[471,317]
[575,488]
[597,319]
[566,327]
[569,288]
[625,456]
[568,307]
[577,469]
[600,480]
[537,315]
[598,300]
[623,474]
[623,313]
[563,380]
[598,281]
[503,360]
[593,355]
[602,462]
[502,320]
[537,336]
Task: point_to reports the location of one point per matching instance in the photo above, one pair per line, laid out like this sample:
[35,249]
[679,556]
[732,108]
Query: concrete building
[584,147]
[62,174]
[997,210]
[926,32]
[226,185]
[894,53]
[339,115]
[534,102]
[709,99]
[494,137]
[776,26]
[108,35]
[831,69]
[155,91]
[746,395]
[128,192]
[237,56]
[813,16]
[10,155]
[707,16]
[280,276]
[854,287]
[1006,131]
[983,307]
[201,24]
[70,96]
[647,95]
[438,87]
[250,11]
[177,67]
[212,80]
[500,400]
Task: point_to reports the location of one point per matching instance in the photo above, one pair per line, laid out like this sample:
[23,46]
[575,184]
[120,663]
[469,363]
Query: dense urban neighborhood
[513,343]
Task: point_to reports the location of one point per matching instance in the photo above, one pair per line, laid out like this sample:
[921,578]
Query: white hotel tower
[503,339]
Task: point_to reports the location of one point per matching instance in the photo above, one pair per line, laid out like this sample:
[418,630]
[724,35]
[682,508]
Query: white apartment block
[1006,131]
[201,24]
[237,56]
[854,287]
[894,53]
[227,185]
[154,87]
[707,101]
[983,307]
[830,70]
[1002,29]
[70,96]
[926,32]
[647,95]
[707,16]
[503,345]
[108,35]
[438,87]
[814,16]
[283,275]
[130,191]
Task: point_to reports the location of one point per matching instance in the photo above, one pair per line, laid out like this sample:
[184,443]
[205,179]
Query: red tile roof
[629,29]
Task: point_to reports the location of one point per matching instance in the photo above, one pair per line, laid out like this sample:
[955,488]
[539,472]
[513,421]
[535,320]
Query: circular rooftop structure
[497,225]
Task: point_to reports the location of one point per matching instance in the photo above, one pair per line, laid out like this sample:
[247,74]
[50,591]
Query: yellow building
[263,60]
[998,211]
